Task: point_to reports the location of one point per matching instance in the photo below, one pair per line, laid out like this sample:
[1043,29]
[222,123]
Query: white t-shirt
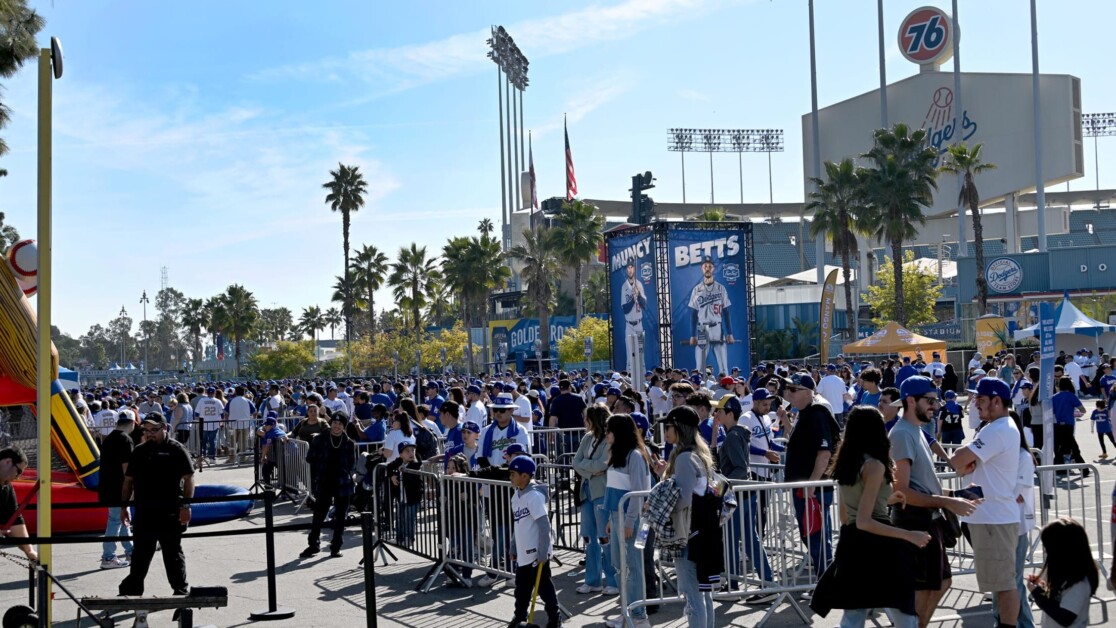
[1073,371]
[523,407]
[240,411]
[209,410]
[974,364]
[477,412]
[274,402]
[335,405]
[528,508]
[973,413]
[833,389]
[997,450]
[933,366]
[391,443]
[660,401]
[1025,486]
[105,420]
[1075,599]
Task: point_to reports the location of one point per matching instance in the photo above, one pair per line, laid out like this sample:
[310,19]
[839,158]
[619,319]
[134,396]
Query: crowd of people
[874,428]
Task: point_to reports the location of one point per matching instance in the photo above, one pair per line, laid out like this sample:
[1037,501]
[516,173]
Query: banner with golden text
[991,331]
[829,292]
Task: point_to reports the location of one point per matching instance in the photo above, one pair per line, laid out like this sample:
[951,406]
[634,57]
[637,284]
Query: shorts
[994,547]
[932,568]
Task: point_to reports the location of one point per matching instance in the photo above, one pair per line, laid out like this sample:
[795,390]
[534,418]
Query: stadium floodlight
[737,141]
[1097,125]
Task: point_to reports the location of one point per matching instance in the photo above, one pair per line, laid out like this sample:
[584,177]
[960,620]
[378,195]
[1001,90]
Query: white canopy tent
[1074,331]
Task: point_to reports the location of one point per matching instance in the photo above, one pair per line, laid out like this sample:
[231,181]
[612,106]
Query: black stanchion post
[273,612]
[256,466]
[369,561]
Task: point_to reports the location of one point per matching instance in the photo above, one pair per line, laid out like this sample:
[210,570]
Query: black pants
[1065,444]
[267,469]
[149,529]
[321,509]
[1100,437]
[525,587]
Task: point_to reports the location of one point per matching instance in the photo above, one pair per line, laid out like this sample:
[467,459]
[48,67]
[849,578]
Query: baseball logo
[1004,274]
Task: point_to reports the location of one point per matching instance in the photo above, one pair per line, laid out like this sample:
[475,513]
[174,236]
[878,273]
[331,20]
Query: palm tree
[216,317]
[596,293]
[369,270]
[539,254]
[439,302]
[311,322]
[711,214]
[8,234]
[346,195]
[332,318]
[966,162]
[410,279]
[344,291]
[580,233]
[242,312]
[899,181]
[837,206]
[194,319]
[471,269]
[486,227]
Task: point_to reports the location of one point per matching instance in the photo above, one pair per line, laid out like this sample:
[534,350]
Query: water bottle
[641,536]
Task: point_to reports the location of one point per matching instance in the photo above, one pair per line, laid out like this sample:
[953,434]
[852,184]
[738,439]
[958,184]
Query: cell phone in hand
[971,493]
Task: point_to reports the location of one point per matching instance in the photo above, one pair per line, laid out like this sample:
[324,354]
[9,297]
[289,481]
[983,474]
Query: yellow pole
[43,316]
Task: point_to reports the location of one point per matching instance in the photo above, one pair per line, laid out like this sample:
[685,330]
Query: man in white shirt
[102,417]
[762,448]
[151,404]
[209,411]
[976,362]
[935,365]
[833,388]
[992,462]
[239,415]
[502,432]
[274,401]
[476,411]
[1073,371]
[334,403]
[522,412]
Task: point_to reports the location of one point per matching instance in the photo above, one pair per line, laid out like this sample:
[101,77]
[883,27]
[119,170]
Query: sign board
[990,333]
[926,37]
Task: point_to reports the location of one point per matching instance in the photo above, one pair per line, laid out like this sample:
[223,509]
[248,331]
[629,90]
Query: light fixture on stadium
[725,140]
[1098,124]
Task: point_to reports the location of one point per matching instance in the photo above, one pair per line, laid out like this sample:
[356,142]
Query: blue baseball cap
[473,388]
[613,391]
[271,420]
[641,421]
[761,394]
[949,394]
[471,426]
[992,387]
[514,449]
[522,464]
[405,444]
[914,386]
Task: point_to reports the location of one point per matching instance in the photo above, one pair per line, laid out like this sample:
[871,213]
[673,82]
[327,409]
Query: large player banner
[634,306]
[709,299]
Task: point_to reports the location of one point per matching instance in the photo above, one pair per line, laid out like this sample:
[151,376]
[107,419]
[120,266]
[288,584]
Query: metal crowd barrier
[415,526]
[565,513]
[558,443]
[293,471]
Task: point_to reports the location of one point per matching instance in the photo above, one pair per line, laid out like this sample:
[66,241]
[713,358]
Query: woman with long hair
[691,465]
[949,379]
[1069,576]
[629,469]
[402,430]
[591,465]
[864,473]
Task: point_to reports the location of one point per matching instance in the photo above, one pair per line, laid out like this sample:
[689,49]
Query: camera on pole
[643,206]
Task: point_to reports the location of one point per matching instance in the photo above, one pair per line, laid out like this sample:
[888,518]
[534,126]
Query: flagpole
[565,153]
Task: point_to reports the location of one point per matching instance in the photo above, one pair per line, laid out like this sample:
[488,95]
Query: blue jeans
[747,517]
[115,527]
[857,617]
[598,554]
[407,516]
[699,604]
[1026,619]
[821,542]
[209,443]
[633,565]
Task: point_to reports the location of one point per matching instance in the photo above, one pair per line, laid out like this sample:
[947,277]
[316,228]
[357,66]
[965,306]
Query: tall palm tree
[596,293]
[580,233]
[332,318]
[471,269]
[311,322]
[369,269]
[486,227]
[242,312]
[898,183]
[410,279]
[344,291]
[711,214]
[966,162]
[194,319]
[837,204]
[216,318]
[347,188]
[539,254]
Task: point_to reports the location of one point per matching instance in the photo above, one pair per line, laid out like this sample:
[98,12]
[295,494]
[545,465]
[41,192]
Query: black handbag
[950,527]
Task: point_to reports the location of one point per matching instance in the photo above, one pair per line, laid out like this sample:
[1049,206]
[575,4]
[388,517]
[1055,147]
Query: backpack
[426,444]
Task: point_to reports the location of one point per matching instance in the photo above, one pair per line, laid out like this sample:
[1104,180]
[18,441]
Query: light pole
[538,355]
[511,73]
[146,339]
[395,364]
[737,141]
[123,338]
[1096,125]
[589,353]
[50,68]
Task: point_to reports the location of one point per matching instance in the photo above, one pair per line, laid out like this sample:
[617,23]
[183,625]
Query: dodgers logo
[646,271]
[731,272]
[1004,274]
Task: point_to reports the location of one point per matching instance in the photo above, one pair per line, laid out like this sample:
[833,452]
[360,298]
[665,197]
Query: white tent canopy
[811,275]
[1074,330]
[930,265]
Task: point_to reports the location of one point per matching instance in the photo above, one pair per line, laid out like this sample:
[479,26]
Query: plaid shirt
[660,507]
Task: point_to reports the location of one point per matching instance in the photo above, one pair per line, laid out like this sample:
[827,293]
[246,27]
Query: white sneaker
[583,589]
[486,580]
[612,591]
[642,623]
[615,622]
[114,563]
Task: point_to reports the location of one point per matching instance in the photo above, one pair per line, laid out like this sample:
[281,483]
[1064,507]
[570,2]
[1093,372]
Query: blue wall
[1053,271]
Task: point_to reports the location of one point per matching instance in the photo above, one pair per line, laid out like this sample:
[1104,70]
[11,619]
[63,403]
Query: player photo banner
[634,304]
[709,299]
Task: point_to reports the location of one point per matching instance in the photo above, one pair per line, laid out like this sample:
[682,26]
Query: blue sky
[196,136]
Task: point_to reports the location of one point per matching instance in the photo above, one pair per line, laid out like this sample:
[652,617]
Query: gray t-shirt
[1076,600]
[907,443]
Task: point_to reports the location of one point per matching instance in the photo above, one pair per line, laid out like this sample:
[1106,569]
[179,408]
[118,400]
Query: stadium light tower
[511,73]
[737,141]
[681,141]
[1096,125]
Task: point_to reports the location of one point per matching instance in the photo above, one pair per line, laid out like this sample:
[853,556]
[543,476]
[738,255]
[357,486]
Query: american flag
[571,179]
[531,174]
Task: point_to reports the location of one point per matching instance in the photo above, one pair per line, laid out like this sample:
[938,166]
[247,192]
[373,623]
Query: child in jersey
[531,546]
[950,430]
[1104,426]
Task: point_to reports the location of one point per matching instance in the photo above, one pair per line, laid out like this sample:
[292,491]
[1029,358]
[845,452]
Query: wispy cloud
[691,94]
[389,70]
[591,94]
